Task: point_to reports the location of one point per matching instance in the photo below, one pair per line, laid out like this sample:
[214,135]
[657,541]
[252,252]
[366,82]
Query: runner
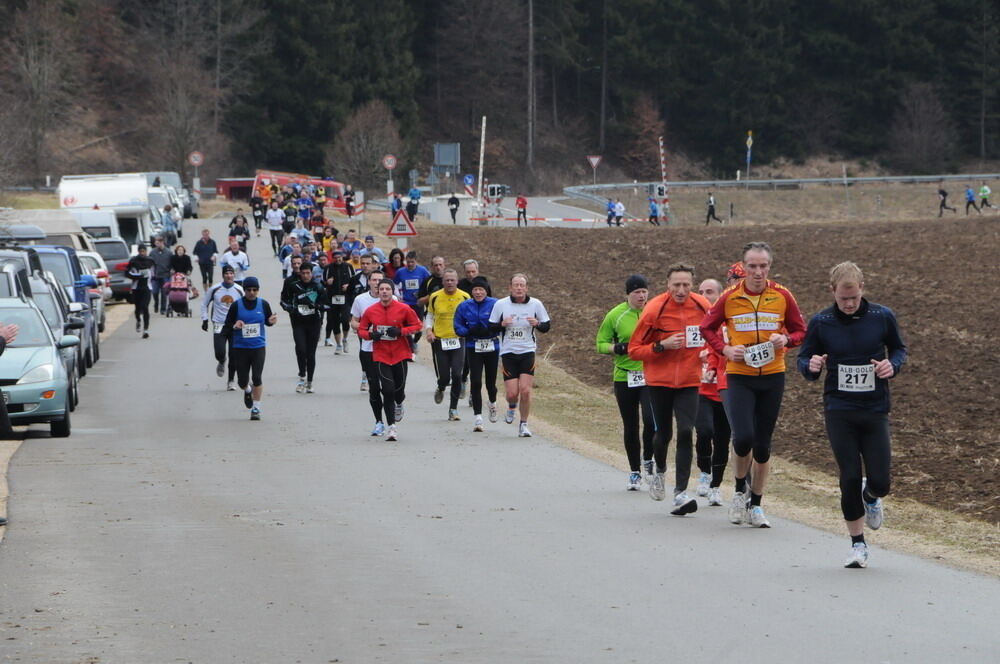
[259,208]
[629,387]
[984,197]
[943,201]
[240,231]
[762,320]
[710,212]
[448,349]
[859,344]
[140,269]
[409,279]
[472,321]
[220,298]
[236,259]
[521,203]
[619,211]
[712,432]
[667,340]
[274,218]
[970,200]
[336,276]
[246,325]
[358,307]
[654,212]
[205,251]
[302,298]
[433,282]
[517,317]
[471,268]
[610,209]
[453,207]
[386,324]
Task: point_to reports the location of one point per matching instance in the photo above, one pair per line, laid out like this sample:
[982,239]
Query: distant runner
[446,344]
[246,324]
[482,348]
[220,299]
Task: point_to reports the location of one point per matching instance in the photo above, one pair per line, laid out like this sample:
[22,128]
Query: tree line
[328,86]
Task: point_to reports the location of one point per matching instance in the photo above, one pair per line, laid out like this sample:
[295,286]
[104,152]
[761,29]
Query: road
[171,528]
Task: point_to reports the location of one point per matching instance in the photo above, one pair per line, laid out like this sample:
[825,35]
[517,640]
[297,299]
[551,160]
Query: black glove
[621,348]
[204,326]
[394,332]
[376,335]
[480,331]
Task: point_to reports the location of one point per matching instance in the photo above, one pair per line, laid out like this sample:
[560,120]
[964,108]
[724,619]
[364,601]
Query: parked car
[95,294]
[115,253]
[65,265]
[94,264]
[33,378]
[51,301]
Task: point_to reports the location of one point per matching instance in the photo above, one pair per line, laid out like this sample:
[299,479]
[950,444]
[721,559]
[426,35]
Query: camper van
[60,227]
[98,224]
[125,194]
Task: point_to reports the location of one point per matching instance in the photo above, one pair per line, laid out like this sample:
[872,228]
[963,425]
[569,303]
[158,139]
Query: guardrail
[586,191]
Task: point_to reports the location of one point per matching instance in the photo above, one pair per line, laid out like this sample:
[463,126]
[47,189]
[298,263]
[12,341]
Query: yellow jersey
[442,307]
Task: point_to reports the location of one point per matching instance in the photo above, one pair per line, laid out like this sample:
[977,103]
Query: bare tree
[356,154]
[922,137]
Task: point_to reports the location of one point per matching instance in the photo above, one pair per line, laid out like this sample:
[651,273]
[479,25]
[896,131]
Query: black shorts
[517,364]
[249,365]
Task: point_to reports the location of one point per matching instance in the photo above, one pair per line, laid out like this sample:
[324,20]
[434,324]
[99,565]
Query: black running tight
[712,441]
[859,437]
[682,403]
[630,401]
[479,363]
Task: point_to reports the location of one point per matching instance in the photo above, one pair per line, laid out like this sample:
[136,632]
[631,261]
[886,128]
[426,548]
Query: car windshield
[47,304]
[32,331]
[58,265]
[112,250]
[159,200]
[90,262]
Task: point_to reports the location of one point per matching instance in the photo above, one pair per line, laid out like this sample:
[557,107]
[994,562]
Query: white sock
[248,389]
[256,404]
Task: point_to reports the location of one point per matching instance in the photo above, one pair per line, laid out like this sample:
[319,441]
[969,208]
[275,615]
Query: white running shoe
[327,343]
[508,417]
[309,387]
[220,369]
[230,386]
[647,470]
[399,412]
[379,429]
[364,383]
[684,504]
[453,415]
[479,423]
[634,481]
[301,387]
[523,431]
[338,350]
[874,515]
[656,490]
[703,481]
[493,412]
[757,518]
[859,556]
[714,496]
[392,435]
[738,508]
[344,349]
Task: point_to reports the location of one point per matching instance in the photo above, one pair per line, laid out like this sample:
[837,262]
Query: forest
[327,87]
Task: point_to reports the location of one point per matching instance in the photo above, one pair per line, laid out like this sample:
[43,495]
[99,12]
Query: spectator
[180,261]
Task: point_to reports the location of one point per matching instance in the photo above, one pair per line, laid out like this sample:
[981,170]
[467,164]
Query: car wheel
[71,398]
[60,428]
[81,365]
[100,328]
[180,233]
[97,349]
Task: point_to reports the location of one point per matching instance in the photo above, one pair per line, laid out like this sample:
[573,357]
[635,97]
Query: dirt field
[932,273]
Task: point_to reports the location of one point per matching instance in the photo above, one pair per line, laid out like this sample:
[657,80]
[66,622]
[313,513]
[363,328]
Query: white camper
[123,193]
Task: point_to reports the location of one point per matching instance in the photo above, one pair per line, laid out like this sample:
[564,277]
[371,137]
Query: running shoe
[859,556]
[703,481]
[248,399]
[255,413]
[634,481]
[656,490]
[523,431]
[379,429]
[873,511]
[684,504]
[309,387]
[301,387]
[392,433]
[714,497]
[399,412]
[493,412]
[145,334]
[338,350]
[220,369]
[509,416]
[230,386]
[757,518]
[438,395]
[364,383]
[327,343]
[453,415]
[345,347]
[647,469]
[479,423]
[738,508]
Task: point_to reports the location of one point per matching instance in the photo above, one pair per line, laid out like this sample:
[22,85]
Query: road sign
[196,159]
[749,139]
[469,180]
[401,226]
[389,161]
[594,159]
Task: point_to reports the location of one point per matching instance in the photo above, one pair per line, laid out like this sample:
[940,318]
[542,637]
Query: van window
[110,251]
[58,265]
[128,228]
[98,231]
[158,199]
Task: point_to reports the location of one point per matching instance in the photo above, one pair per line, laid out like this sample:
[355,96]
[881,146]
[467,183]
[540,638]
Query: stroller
[179,291]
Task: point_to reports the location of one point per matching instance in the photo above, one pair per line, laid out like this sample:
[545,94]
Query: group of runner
[713,360]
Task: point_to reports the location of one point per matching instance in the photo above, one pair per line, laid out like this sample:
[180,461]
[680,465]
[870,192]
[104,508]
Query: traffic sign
[749,139]
[594,159]
[469,180]
[389,161]
[401,226]
[196,159]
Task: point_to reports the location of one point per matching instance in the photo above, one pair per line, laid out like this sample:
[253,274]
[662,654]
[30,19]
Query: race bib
[337,299]
[411,284]
[758,355]
[382,330]
[451,344]
[856,378]
[257,213]
[484,346]
[251,330]
[305,310]
[217,328]
[636,379]
[692,337]
[517,333]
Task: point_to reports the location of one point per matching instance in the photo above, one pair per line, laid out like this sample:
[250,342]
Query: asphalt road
[170,528]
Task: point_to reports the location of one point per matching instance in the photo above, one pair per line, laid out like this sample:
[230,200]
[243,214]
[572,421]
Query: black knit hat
[635,282]
[481,282]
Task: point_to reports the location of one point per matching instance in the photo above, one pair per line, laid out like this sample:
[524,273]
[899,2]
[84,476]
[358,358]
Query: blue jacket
[414,195]
[415,277]
[853,341]
[472,321]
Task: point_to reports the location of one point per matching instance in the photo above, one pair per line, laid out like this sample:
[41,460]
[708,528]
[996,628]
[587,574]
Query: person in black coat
[180,261]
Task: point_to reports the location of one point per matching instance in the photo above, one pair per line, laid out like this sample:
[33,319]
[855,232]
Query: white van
[125,194]
[99,224]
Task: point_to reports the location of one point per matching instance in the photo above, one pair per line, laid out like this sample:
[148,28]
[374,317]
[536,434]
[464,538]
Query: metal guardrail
[586,192]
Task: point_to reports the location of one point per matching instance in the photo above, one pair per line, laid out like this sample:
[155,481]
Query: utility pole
[604,72]
[531,85]
[479,181]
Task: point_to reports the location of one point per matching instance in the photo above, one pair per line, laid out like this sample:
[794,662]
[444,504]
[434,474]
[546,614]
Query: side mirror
[74,323]
[68,341]
[75,307]
[88,281]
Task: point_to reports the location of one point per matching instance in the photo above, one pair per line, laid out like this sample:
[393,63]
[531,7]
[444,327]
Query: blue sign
[470,179]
